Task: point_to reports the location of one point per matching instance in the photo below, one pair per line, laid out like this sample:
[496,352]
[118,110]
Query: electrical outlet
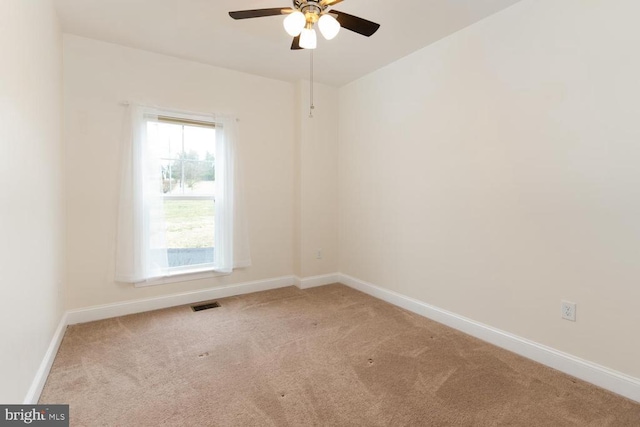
[568,310]
[318,253]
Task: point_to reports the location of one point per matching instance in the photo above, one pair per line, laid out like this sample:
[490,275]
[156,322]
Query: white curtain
[231,238]
[141,252]
[140,248]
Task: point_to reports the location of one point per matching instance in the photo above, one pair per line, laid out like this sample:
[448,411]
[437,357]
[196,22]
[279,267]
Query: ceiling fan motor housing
[312,9]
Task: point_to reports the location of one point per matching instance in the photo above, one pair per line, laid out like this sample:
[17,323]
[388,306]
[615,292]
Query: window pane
[200,141]
[171,172]
[166,139]
[187,157]
[187,177]
[198,177]
[190,229]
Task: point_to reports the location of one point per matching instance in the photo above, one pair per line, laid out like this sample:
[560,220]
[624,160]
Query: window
[181,209]
[185,152]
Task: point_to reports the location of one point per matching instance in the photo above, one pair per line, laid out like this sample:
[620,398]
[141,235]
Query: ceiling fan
[304,14]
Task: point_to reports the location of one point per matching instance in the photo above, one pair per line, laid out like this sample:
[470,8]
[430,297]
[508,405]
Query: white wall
[316,182]
[495,173]
[31,200]
[98,76]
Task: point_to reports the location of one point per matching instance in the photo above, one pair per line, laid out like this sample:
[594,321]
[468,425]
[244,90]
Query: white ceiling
[201,30]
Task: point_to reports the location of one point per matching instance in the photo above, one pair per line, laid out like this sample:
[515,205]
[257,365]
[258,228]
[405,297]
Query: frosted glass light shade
[294,23]
[308,38]
[329,26]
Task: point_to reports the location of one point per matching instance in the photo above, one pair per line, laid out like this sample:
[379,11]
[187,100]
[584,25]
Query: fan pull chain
[311,106]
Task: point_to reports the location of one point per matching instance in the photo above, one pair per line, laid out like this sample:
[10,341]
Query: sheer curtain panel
[140,250]
[231,237]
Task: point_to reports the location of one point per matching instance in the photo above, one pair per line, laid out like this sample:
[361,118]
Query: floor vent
[205,306]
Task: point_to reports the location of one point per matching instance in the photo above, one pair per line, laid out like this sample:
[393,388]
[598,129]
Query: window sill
[181,276]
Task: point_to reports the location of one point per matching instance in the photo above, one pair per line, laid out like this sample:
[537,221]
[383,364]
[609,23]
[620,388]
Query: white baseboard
[107,311]
[33,395]
[593,373]
[315,281]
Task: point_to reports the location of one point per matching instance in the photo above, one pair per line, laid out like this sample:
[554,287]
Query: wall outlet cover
[568,310]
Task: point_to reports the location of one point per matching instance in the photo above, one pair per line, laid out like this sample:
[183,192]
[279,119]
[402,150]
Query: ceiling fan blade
[295,45]
[259,13]
[330,2]
[355,24]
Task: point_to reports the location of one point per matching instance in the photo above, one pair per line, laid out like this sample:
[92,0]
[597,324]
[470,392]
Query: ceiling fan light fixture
[308,38]
[294,23]
[329,26]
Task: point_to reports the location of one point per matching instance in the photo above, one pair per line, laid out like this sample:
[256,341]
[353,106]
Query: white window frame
[186,272]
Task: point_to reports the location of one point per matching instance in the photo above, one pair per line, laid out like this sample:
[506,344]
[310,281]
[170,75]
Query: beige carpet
[328,356]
